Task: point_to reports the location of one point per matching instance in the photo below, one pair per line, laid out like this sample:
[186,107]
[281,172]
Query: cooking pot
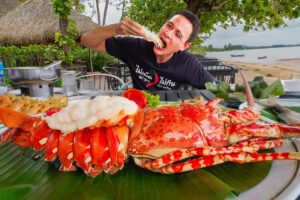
[50,72]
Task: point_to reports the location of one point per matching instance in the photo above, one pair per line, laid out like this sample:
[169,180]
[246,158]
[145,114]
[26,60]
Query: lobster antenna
[249,95]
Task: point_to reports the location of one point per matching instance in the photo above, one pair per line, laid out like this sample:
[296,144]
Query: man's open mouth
[164,43]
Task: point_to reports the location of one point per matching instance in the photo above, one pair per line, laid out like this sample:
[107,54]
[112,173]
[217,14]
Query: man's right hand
[129,27]
[95,38]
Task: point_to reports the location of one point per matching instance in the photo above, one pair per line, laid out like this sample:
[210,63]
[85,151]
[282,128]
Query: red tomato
[137,96]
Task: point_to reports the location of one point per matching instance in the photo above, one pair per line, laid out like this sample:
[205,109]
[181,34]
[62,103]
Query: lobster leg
[51,146]
[82,149]
[99,151]
[117,138]
[65,151]
[7,135]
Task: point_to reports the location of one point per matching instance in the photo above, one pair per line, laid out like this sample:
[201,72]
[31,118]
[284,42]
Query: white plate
[283,102]
[291,85]
[283,180]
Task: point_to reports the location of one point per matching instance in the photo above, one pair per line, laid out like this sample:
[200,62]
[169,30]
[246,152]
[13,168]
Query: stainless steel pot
[49,73]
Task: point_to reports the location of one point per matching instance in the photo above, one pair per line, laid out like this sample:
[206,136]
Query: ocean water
[274,55]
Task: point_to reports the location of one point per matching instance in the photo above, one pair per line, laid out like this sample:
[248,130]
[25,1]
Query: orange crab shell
[163,130]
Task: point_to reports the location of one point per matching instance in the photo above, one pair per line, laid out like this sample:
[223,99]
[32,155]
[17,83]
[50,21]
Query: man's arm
[95,39]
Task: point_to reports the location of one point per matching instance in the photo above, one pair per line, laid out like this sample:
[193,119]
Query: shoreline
[271,72]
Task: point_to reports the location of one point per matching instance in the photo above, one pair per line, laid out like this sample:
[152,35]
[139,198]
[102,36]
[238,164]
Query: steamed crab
[98,135]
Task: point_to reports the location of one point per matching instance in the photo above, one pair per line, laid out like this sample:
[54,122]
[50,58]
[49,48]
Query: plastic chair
[102,81]
[120,70]
[222,73]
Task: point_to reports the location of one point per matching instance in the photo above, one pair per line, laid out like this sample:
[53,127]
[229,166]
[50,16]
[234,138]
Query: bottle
[2,73]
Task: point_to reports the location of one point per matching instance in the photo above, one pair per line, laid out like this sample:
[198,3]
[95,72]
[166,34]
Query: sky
[233,35]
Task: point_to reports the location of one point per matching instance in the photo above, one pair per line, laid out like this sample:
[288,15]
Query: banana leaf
[23,175]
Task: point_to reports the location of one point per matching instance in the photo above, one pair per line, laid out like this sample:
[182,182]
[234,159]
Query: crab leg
[239,133]
[244,147]
[234,157]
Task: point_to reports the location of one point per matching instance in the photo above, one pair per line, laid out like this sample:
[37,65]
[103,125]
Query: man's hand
[95,38]
[129,27]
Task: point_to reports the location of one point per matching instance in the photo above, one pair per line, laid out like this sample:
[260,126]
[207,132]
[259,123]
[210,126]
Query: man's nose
[169,34]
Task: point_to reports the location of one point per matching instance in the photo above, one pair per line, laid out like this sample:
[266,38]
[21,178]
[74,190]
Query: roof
[34,22]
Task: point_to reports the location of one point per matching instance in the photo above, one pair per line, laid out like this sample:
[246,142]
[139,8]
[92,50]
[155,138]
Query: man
[151,67]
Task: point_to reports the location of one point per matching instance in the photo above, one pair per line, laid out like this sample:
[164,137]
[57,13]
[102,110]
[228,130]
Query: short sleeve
[120,47]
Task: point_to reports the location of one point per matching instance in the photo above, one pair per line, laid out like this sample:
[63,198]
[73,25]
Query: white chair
[120,70]
[102,81]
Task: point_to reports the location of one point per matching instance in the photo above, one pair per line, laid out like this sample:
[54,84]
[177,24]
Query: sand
[283,69]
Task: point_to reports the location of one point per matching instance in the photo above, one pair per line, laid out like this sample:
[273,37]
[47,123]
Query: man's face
[174,33]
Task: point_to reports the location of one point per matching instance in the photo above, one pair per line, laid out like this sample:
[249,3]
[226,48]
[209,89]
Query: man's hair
[194,20]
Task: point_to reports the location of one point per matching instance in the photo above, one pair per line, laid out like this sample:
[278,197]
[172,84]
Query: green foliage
[24,177]
[153,13]
[197,49]
[62,8]
[259,88]
[266,14]
[40,55]
[66,37]
[99,59]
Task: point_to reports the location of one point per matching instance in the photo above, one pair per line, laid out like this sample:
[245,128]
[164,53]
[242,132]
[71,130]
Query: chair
[101,81]
[119,69]
[222,72]
[205,61]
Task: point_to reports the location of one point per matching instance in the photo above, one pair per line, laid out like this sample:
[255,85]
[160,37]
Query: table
[277,174]
[288,172]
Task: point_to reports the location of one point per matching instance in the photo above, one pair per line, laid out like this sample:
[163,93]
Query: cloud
[235,35]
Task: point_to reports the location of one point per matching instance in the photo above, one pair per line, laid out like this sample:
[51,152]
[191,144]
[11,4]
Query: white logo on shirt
[147,77]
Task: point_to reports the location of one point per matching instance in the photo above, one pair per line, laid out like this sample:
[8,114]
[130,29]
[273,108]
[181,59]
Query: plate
[283,102]
[283,180]
[291,85]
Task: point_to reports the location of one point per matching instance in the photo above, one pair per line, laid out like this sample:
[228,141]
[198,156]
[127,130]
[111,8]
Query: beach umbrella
[34,22]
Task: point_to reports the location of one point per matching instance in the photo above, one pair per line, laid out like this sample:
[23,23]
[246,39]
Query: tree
[98,12]
[265,14]
[105,11]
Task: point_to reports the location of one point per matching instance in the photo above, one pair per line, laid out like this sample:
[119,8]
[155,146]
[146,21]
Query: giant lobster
[100,134]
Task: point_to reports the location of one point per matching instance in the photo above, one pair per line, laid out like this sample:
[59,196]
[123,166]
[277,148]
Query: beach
[282,69]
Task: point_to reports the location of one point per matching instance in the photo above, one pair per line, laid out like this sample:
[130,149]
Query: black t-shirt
[147,74]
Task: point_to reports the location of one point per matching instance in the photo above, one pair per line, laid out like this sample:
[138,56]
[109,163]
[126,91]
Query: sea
[273,55]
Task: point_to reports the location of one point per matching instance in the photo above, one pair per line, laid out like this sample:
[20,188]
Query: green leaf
[223,87]
[24,176]
[275,89]
[236,97]
[211,87]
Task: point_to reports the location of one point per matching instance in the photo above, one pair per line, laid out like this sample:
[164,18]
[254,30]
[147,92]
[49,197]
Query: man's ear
[185,46]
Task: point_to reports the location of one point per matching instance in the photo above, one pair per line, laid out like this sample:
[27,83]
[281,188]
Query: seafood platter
[100,135]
